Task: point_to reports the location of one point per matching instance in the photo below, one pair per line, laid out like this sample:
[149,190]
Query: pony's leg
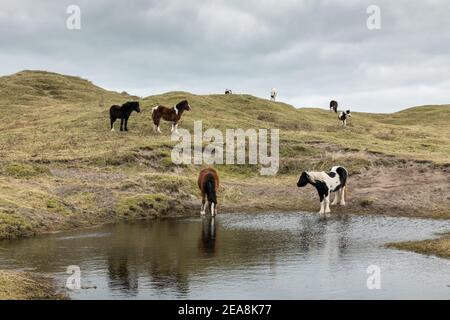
[156,127]
[342,200]
[121,124]
[176,127]
[336,197]
[322,206]
[126,124]
[203,209]
[173,127]
[112,123]
[327,204]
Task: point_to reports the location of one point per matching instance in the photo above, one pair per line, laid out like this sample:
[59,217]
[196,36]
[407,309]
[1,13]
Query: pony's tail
[210,190]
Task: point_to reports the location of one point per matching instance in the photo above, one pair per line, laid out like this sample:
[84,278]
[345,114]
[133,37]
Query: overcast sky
[311,51]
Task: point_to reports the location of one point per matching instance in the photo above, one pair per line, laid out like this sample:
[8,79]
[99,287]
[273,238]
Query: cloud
[312,51]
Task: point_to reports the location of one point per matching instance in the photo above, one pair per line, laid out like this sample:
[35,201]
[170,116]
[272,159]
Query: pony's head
[348,113]
[132,105]
[303,180]
[184,105]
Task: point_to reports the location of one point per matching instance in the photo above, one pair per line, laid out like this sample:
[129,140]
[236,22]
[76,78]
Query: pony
[273,94]
[169,114]
[208,183]
[123,113]
[228,91]
[343,116]
[326,183]
[333,106]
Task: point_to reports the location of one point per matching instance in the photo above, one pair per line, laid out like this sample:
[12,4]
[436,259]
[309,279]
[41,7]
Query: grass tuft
[142,206]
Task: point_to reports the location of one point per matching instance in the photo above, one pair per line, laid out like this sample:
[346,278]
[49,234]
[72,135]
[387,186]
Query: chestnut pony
[208,182]
[169,114]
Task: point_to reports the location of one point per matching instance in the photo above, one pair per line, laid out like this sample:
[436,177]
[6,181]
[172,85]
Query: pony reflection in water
[207,241]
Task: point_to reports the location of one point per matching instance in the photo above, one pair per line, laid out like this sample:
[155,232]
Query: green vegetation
[142,206]
[61,167]
[438,247]
[13,226]
[22,170]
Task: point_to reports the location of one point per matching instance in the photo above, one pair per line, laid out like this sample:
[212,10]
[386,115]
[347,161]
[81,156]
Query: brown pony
[208,182]
[169,114]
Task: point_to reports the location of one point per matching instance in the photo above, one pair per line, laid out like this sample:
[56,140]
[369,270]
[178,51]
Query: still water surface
[240,256]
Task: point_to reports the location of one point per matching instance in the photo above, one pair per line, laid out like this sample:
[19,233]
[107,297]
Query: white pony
[273,94]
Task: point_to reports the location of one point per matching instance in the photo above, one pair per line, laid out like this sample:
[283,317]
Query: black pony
[123,113]
[333,105]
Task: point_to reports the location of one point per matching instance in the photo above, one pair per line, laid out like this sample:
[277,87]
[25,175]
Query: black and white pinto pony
[327,183]
[169,114]
[333,105]
[228,91]
[273,94]
[123,113]
[343,116]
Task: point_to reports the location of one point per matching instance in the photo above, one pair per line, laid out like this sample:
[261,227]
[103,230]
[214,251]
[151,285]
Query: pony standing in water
[208,182]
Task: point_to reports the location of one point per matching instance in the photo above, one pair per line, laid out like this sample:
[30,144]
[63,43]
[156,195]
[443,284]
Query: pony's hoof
[112,130]
[202,213]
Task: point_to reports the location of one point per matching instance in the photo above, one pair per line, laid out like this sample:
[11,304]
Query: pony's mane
[181,103]
[130,104]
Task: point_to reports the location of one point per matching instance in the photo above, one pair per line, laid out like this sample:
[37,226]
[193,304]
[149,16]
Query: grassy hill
[61,167]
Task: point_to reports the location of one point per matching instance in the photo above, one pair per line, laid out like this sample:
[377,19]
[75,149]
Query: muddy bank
[16,285]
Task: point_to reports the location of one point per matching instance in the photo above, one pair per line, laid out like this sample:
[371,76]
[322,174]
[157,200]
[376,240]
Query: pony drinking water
[208,182]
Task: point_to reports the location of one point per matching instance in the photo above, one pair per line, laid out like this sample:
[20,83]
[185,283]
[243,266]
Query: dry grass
[26,286]
[61,167]
[438,247]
